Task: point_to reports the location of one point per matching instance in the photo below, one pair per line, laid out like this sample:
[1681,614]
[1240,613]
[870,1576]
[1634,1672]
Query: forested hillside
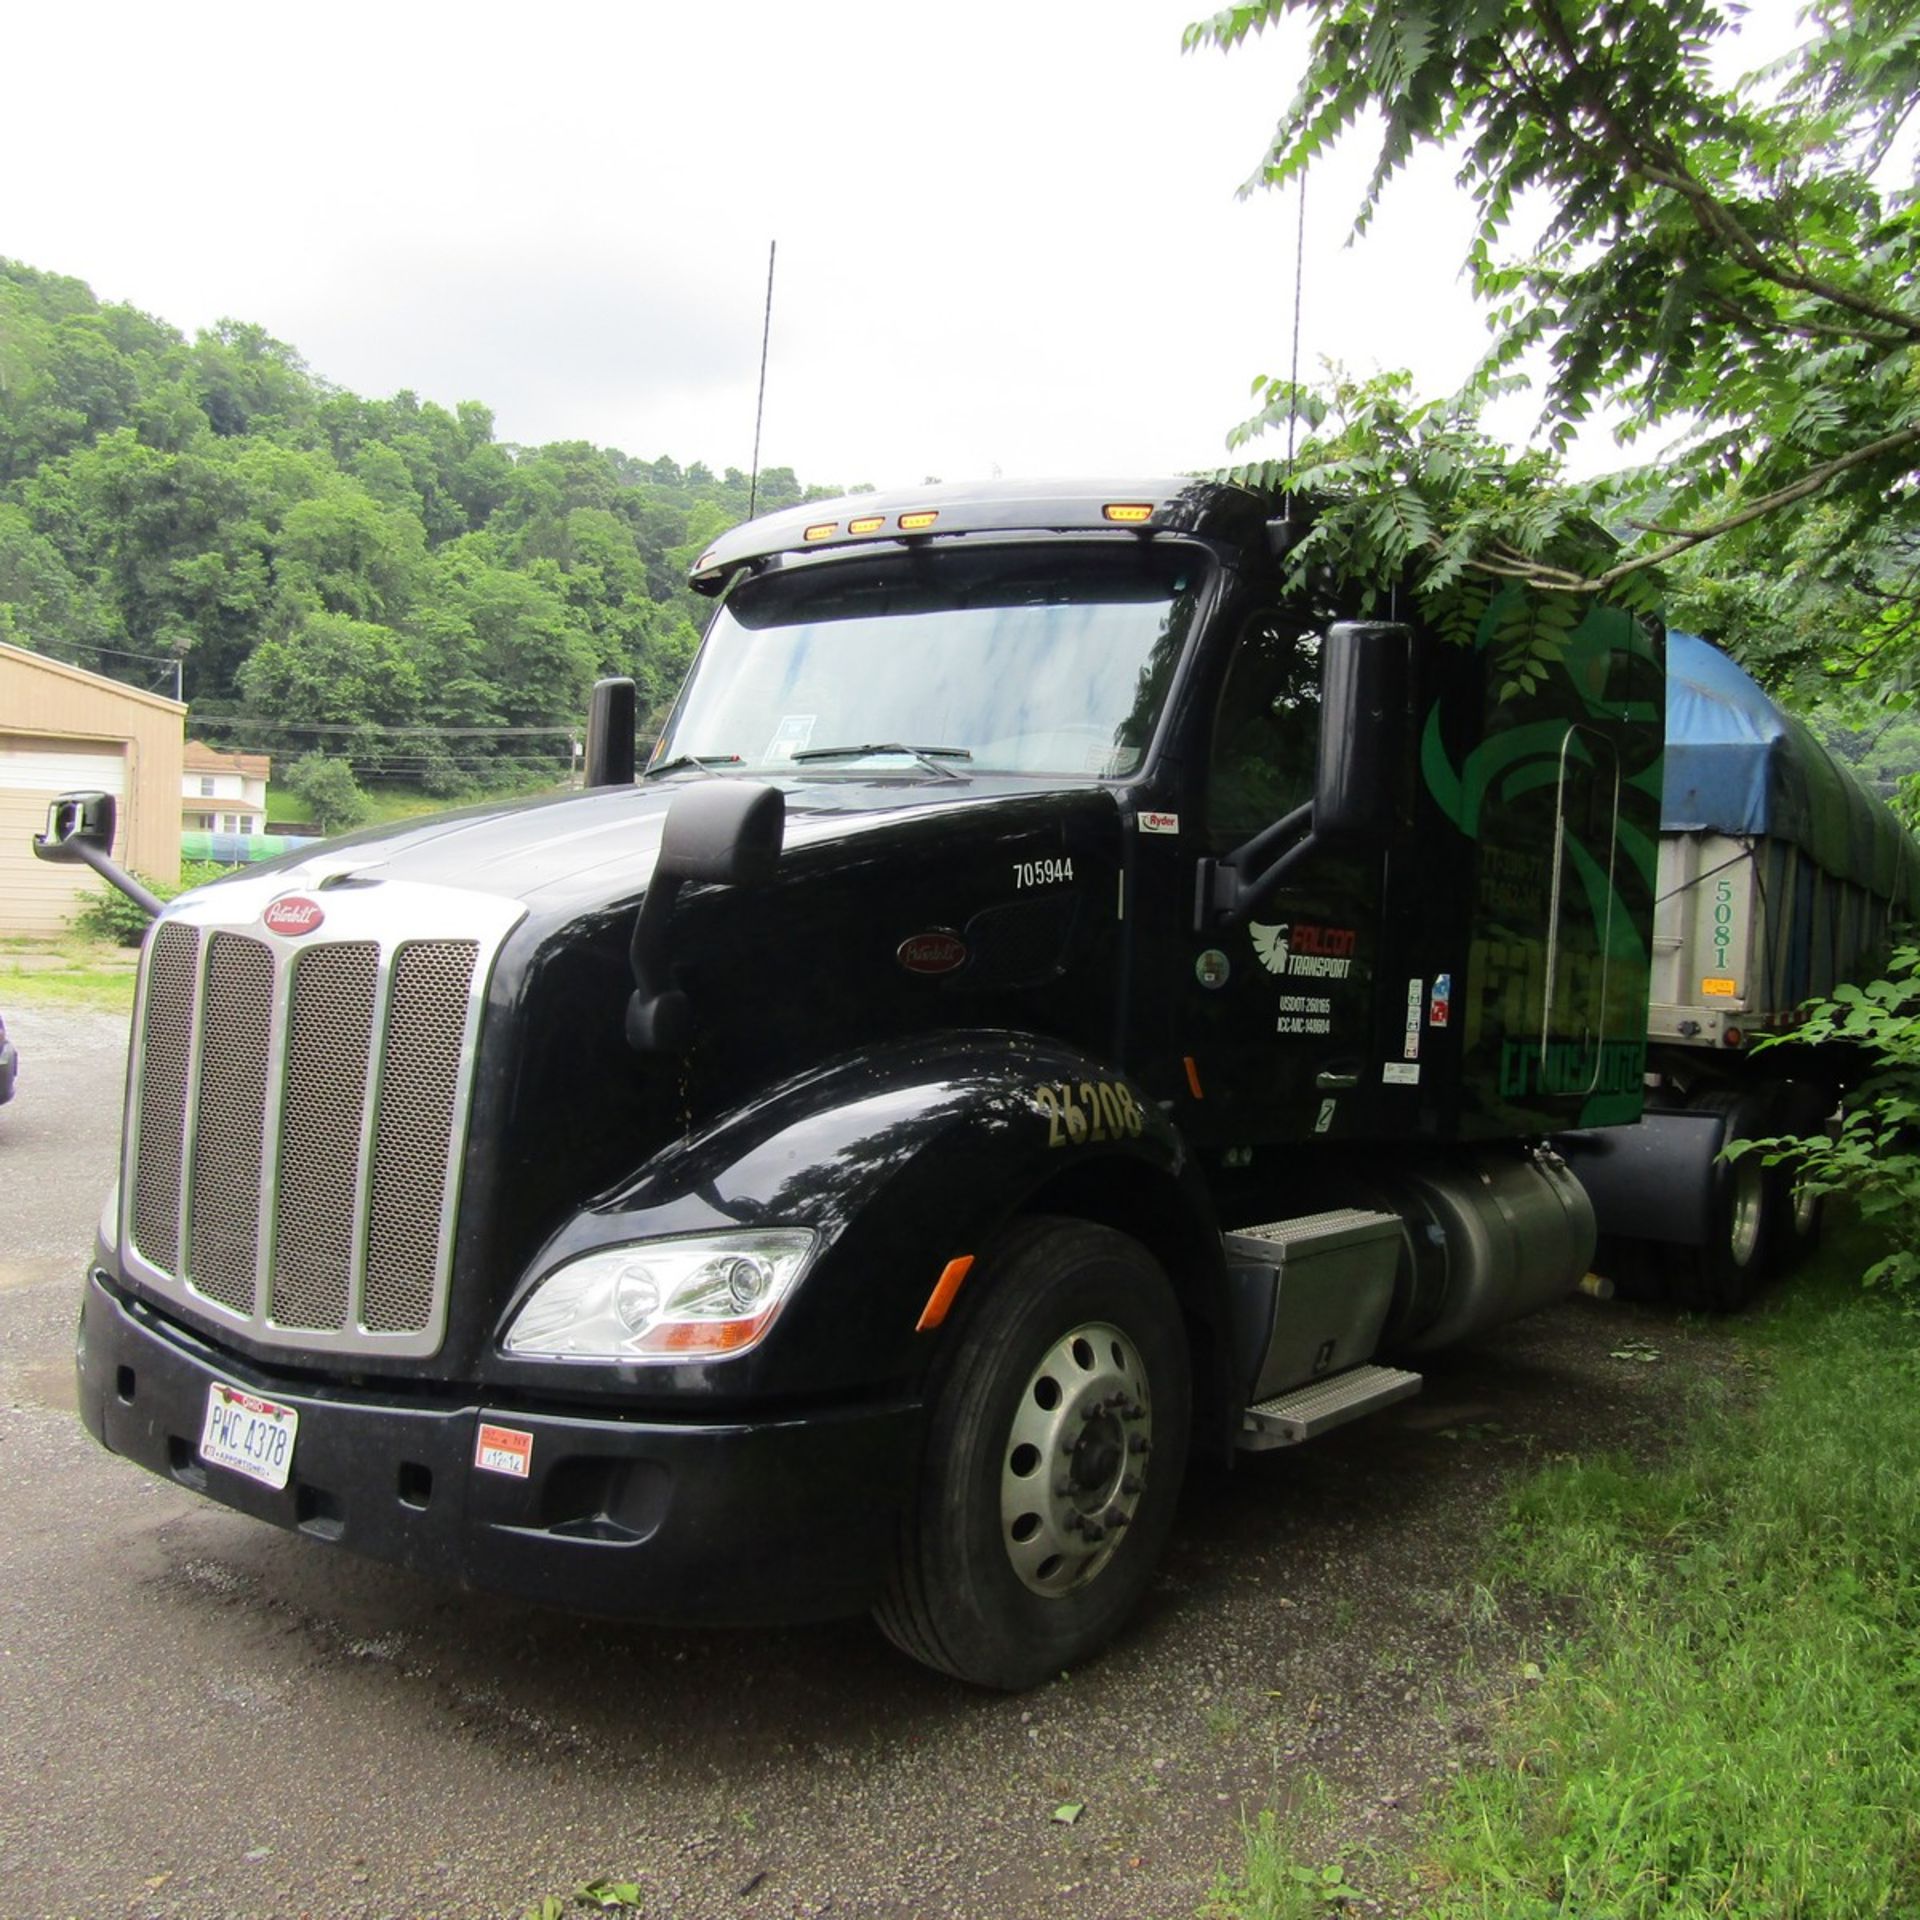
[377,579]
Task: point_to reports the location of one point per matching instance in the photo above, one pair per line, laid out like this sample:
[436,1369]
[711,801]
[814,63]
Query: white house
[223,792]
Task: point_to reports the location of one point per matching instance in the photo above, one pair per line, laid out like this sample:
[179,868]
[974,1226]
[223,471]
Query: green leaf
[1724,257]
[610,1894]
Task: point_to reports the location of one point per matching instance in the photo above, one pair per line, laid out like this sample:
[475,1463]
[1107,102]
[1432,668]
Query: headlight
[709,1294]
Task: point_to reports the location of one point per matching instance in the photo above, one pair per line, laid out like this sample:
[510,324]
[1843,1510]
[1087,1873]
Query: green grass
[1734,1728]
[1284,1876]
[68,972]
[386,805]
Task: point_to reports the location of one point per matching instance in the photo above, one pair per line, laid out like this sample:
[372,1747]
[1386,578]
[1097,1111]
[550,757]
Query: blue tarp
[240,849]
[1737,764]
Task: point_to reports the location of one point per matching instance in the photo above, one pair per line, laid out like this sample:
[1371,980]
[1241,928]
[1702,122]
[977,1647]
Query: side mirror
[80,830]
[611,719]
[723,833]
[1366,673]
[75,821]
[1366,677]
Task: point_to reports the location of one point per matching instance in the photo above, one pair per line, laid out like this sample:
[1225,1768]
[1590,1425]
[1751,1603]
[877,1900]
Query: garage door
[35,896]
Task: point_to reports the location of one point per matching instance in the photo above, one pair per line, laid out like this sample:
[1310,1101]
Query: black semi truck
[1056,1003]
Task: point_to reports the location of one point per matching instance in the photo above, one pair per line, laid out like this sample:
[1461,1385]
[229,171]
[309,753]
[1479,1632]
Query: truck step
[1311,1232]
[1310,1295]
[1306,1412]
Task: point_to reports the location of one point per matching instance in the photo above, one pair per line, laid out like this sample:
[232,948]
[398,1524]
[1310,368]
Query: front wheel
[1056,1443]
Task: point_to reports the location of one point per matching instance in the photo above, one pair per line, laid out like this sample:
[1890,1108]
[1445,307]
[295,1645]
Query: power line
[248,723]
[432,766]
[115,653]
[169,664]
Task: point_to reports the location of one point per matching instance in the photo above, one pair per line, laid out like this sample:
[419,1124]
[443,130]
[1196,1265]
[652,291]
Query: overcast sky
[1008,232]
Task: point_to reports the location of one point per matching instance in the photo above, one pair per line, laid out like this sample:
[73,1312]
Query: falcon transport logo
[293,916]
[1319,953]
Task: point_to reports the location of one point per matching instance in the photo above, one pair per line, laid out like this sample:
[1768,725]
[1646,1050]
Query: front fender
[902,1159]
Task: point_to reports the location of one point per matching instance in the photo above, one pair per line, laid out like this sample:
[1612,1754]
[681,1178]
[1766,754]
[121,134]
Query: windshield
[1015,659]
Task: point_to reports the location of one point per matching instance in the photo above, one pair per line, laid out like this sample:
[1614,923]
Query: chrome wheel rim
[1806,1211]
[1749,1209]
[1075,1458]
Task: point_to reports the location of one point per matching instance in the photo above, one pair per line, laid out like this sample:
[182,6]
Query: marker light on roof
[704,562]
[823,530]
[913,522]
[1128,513]
[867,523]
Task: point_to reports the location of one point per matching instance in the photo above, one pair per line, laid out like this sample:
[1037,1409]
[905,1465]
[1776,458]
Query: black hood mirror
[722,833]
[612,717]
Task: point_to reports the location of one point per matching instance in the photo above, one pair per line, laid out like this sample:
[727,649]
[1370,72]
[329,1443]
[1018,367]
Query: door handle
[1334,1080]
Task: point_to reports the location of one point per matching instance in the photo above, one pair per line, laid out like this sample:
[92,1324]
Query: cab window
[1266,729]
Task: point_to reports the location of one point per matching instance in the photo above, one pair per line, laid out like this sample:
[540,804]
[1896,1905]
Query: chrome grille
[223,1217]
[172,969]
[329,1049]
[299,1108]
[416,1111]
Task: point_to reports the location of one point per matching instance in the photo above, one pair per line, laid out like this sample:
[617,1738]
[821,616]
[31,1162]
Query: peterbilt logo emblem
[292,916]
[932,953]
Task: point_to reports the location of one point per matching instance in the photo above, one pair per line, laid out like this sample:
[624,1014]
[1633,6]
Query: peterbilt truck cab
[1067,995]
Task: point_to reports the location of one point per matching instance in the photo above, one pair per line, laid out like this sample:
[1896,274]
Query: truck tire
[1805,1108]
[1744,1222]
[1056,1444]
[1801,1217]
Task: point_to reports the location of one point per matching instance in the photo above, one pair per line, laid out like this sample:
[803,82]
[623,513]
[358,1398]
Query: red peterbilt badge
[932,953]
[292,916]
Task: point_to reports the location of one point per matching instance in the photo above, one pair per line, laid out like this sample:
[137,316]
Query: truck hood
[567,855]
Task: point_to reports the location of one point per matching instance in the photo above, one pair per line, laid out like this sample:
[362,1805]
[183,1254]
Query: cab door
[1281,1006]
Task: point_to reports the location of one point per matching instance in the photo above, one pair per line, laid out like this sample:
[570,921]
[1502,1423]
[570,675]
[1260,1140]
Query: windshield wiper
[705,765]
[929,757]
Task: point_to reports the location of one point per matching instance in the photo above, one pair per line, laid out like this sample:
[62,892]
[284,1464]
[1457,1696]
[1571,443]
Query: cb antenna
[760,405]
[1293,378]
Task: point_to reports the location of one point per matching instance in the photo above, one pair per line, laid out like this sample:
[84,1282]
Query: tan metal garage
[62,729]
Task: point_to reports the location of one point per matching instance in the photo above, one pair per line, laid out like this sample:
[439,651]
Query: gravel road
[207,1718]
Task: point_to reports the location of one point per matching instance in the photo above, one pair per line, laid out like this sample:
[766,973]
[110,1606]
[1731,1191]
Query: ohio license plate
[249,1435]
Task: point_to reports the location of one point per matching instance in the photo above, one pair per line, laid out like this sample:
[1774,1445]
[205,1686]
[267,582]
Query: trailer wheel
[1806,1109]
[1802,1214]
[1056,1444]
[1744,1225]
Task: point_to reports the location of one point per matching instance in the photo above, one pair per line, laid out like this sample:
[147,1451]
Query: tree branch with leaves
[1734,263]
